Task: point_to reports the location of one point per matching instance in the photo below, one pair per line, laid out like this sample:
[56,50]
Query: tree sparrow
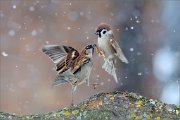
[72,67]
[108,48]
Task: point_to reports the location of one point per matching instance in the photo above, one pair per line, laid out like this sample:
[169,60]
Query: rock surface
[109,106]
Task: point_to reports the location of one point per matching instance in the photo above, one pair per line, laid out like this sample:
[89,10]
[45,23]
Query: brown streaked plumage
[72,67]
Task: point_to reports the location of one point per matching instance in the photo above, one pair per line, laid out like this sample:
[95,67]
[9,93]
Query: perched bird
[72,67]
[109,49]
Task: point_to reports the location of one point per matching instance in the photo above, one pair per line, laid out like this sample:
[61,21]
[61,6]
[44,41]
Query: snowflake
[97,76]
[137,21]
[139,74]
[14,7]
[131,49]
[12,33]
[126,28]
[47,42]
[152,21]
[4,54]
[132,28]
[81,13]
[31,8]
[34,33]
[69,28]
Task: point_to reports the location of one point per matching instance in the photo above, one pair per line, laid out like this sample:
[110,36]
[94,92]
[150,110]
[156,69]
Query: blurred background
[148,32]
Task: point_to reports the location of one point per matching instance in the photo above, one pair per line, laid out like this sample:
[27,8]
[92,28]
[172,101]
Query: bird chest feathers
[105,46]
[85,71]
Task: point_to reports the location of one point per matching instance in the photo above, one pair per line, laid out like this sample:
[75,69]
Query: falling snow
[4,54]
[139,74]
[126,28]
[137,21]
[131,49]
[69,28]
[31,8]
[28,26]
[34,33]
[14,6]
[12,33]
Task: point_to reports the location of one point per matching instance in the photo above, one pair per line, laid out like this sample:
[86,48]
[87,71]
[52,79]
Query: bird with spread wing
[72,67]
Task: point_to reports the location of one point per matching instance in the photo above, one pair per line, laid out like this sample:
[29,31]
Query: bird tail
[121,56]
[62,78]
[109,67]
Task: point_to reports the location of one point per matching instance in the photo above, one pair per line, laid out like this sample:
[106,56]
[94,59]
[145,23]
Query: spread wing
[118,51]
[63,56]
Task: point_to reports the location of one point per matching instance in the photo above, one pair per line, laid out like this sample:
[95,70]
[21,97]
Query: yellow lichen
[133,115]
[111,98]
[149,116]
[158,118]
[75,112]
[138,117]
[66,113]
[138,104]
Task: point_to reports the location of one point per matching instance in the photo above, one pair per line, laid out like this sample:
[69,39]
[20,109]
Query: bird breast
[85,72]
[105,46]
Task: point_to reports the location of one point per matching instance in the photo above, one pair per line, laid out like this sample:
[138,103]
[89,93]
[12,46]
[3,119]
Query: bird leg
[72,101]
[72,94]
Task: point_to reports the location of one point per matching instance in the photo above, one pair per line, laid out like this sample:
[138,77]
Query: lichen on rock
[105,106]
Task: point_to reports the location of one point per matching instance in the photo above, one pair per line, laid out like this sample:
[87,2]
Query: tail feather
[122,57]
[60,79]
[109,67]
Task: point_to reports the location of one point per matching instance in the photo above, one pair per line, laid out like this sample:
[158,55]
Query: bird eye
[104,32]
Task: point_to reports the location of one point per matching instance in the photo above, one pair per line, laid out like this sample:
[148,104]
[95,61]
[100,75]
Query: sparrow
[109,49]
[72,67]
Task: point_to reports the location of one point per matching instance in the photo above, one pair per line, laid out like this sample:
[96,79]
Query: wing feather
[54,52]
[63,56]
[118,50]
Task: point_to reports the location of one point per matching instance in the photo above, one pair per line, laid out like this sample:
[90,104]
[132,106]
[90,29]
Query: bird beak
[94,45]
[110,33]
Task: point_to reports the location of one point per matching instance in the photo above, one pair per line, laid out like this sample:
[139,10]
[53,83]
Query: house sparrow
[109,49]
[72,67]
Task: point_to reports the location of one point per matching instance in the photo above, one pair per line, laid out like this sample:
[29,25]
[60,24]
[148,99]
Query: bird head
[89,50]
[104,31]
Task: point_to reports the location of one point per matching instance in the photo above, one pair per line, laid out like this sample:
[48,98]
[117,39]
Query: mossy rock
[109,106]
